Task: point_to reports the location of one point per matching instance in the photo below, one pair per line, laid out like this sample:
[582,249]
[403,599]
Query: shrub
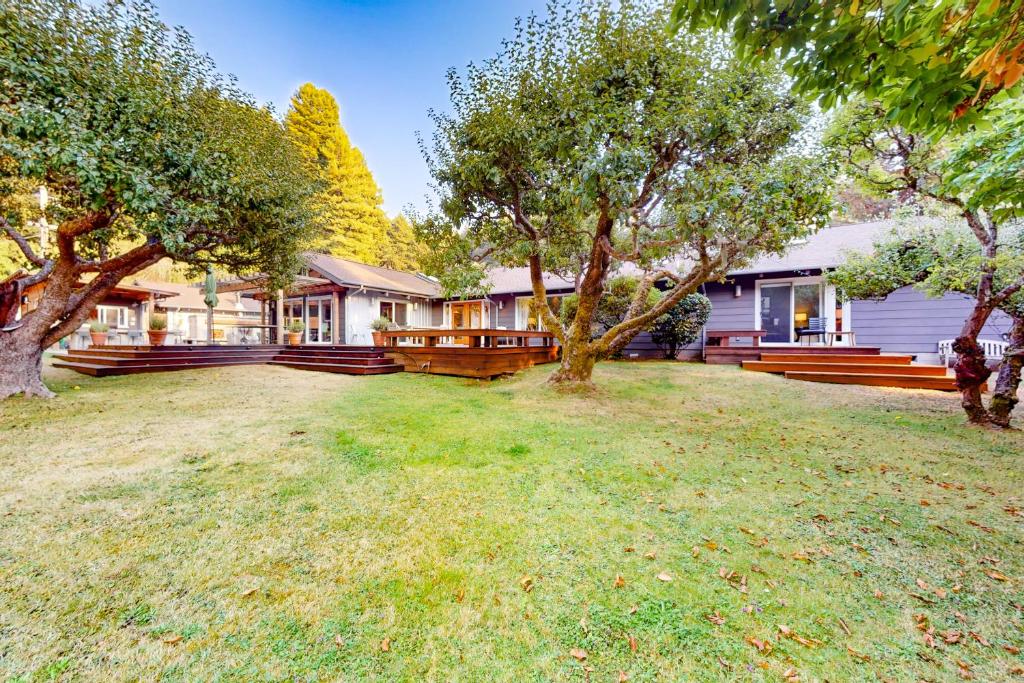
[158,322]
[96,326]
[682,324]
[381,324]
[296,327]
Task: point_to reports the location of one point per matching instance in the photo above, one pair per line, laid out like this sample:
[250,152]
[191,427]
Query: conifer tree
[351,222]
[400,249]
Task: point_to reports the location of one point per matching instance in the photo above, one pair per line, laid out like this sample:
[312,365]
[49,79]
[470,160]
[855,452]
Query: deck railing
[474,338]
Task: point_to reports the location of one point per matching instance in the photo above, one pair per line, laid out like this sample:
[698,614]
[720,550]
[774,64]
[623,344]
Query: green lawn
[261,523]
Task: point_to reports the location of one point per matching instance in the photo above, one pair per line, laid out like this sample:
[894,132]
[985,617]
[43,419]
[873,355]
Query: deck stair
[125,360]
[882,370]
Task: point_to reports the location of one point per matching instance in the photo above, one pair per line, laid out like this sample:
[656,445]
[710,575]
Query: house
[125,310]
[777,294]
[236,319]
[337,299]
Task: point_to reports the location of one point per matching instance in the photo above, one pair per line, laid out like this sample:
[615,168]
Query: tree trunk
[1004,397]
[578,360]
[21,365]
[971,370]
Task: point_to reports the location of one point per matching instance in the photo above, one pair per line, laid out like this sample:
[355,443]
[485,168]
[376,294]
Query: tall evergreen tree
[400,250]
[352,223]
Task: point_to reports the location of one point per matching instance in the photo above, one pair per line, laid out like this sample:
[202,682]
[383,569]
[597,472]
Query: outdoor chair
[815,328]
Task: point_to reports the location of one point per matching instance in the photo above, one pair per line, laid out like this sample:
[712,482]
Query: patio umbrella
[211,301]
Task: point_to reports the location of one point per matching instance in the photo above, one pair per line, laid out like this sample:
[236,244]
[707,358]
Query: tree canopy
[929,63]
[350,221]
[400,249]
[596,133]
[147,152]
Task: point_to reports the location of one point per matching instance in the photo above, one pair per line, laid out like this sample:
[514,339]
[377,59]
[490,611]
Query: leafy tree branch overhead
[597,141]
[931,64]
[147,153]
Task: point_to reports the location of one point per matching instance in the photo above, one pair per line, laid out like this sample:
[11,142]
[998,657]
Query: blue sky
[384,61]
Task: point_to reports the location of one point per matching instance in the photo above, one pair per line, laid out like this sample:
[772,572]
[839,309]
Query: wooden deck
[735,355]
[868,369]
[482,361]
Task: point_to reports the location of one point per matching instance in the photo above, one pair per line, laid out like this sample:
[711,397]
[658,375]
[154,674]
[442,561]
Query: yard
[688,523]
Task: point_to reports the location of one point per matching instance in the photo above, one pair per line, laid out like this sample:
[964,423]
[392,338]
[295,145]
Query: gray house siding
[909,322]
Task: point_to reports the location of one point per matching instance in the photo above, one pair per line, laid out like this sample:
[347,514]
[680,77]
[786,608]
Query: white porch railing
[994,349]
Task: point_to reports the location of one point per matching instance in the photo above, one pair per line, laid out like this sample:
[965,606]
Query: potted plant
[157,329]
[295,330]
[378,326]
[98,332]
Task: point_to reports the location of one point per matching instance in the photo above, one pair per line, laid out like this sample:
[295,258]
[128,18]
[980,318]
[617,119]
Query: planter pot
[294,338]
[157,337]
[98,338]
[378,338]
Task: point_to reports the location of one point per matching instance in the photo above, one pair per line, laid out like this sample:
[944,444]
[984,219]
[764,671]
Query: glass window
[527,317]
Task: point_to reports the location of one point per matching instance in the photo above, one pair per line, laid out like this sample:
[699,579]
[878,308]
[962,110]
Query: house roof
[354,274]
[824,249]
[511,280]
[191,296]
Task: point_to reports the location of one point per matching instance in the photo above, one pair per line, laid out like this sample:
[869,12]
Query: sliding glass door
[776,316]
[786,307]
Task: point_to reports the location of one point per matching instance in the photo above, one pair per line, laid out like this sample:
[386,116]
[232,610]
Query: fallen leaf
[1012,649]
[250,591]
[879,594]
[338,640]
[763,646]
[629,549]
[664,576]
[385,645]
[632,643]
[650,556]
[527,583]
[619,581]
[859,655]
[716,618]
[579,653]
[998,576]
[623,677]
[172,639]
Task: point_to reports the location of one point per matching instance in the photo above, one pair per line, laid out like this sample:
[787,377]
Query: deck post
[336,318]
[279,322]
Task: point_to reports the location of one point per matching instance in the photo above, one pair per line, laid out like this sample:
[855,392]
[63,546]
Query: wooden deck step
[97,370]
[879,380]
[882,359]
[343,359]
[112,360]
[847,368]
[341,368]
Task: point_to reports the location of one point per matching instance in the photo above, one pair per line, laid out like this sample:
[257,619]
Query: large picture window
[526,314]
[395,311]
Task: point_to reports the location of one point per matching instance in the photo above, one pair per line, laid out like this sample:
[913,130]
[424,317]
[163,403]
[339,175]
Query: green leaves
[933,65]
[117,113]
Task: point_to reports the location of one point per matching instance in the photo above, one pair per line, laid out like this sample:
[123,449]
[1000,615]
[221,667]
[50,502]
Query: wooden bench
[722,336]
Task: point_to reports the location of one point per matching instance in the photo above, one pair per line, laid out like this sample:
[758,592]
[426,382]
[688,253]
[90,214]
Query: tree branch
[22,243]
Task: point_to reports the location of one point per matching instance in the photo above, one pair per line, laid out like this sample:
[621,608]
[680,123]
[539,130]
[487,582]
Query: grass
[260,523]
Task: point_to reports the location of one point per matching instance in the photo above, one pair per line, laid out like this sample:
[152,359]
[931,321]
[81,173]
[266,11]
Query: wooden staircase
[888,370]
[127,360]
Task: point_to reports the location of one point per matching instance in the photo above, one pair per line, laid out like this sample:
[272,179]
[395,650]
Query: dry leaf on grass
[619,581]
[716,618]
[385,645]
[578,653]
[172,639]
[664,576]
[858,655]
[632,643]
[527,583]
[998,576]
[248,592]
